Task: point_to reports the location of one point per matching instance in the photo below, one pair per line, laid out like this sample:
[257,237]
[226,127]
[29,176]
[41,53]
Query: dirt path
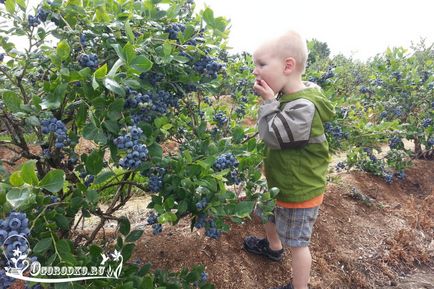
[355,245]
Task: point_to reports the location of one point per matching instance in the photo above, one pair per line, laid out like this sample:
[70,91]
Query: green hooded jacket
[297,154]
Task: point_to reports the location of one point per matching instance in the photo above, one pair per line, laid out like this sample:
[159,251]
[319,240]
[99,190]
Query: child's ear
[289,64]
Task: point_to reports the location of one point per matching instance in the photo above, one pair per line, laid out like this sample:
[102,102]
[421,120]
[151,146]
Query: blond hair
[292,44]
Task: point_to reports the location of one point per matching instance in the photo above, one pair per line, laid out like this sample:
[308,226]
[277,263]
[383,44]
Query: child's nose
[255,71]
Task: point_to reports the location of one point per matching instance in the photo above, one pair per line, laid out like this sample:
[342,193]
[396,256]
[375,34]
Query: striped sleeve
[286,128]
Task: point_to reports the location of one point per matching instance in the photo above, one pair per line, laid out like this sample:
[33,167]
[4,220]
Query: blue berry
[90,60]
[57,127]
[202,204]
[155,183]
[157,229]
[340,166]
[33,21]
[220,118]
[426,122]
[395,142]
[173,30]
[207,66]
[388,177]
[152,218]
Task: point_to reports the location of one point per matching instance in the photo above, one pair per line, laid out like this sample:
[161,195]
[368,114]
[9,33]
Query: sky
[359,29]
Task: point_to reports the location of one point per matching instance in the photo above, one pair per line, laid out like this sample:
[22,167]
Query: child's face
[269,68]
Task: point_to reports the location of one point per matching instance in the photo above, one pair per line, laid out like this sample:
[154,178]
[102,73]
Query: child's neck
[293,86]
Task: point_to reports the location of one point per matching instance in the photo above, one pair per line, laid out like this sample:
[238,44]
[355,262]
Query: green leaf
[129,52]
[244,209]
[113,86]
[65,252]
[104,176]
[95,83]
[167,49]
[92,196]
[129,31]
[167,217]
[56,98]
[53,181]
[42,246]
[95,162]
[62,221]
[16,180]
[63,50]
[148,282]
[101,72]
[119,51]
[115,109]
[127,251]
[134,236]
[155,150]
[10,6]
[91,132]
[28,172]
[141,63]
[169,203]
[112,126]
[124,226]
[208,16]
[18,196]
[12,101]
[22,4]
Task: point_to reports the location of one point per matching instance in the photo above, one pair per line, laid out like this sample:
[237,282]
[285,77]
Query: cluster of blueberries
[202,204]
[59,129]
[2,57]
[136,152]
[210,226]
[228,161]
[395,142]
[150,105]
[397,75]
[13,233]
[156,179]
[41,16]
[157,228]
[365,90]
[387,175]
[88,60]
[225,161]
[324,77]
[208,66]
[88,179]
[220,118]
[173,30]
[427,122]
[336,131]
[385,114]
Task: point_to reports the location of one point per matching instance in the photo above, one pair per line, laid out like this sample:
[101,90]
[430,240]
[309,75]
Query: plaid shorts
[294,226]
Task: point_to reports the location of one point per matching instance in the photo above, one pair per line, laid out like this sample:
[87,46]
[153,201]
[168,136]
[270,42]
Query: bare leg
[272,236]
[301,264]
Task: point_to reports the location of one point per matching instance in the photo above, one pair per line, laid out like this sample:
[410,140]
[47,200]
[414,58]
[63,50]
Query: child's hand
[262,88]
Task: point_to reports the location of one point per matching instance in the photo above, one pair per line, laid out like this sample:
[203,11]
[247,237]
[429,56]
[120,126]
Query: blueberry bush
[169,113]
[133,78]
[380,104]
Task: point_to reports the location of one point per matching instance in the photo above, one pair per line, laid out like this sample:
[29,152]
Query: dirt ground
[386,242]
[368,235]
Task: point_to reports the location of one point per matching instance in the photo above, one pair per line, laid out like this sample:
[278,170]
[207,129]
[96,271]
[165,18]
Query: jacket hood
[315,94]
